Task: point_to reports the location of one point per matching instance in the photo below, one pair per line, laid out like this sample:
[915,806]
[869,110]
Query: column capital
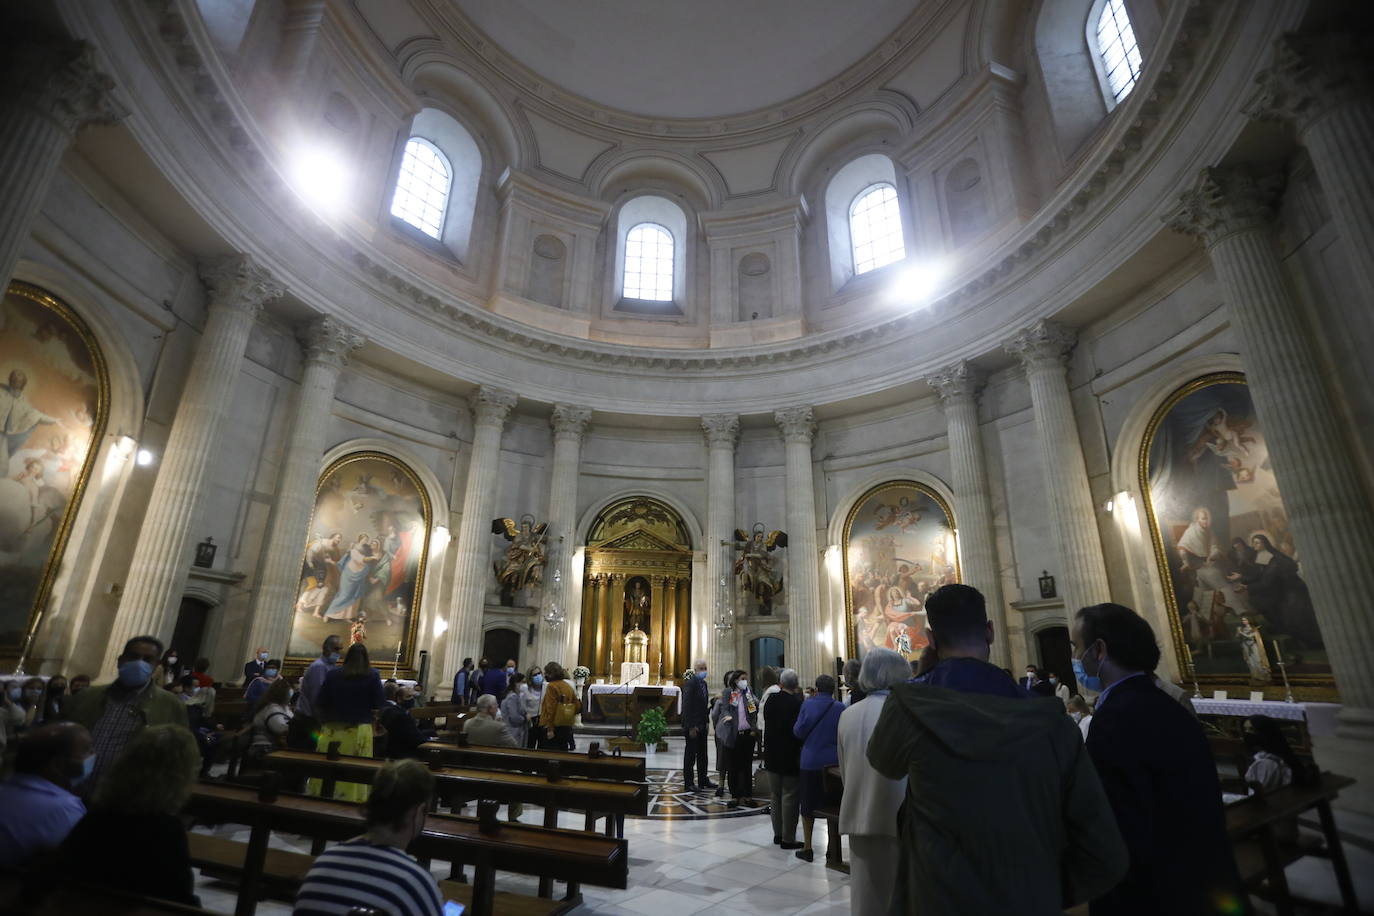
[491,406]
[1045,344]
[327,340]
[797,424]
[721,429]
[570,421]
[59,80]
[237,282]
[1312,75]
[1224,202]
[960,383]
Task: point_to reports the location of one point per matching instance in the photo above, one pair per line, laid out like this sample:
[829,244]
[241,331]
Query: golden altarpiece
[637,591]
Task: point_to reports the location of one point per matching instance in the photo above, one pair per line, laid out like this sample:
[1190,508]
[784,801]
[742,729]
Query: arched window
[1117,49]
[649,263]
[422,187]
[875,228]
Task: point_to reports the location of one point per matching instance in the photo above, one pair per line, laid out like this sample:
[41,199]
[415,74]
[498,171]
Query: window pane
[648,263]
[422,187]
[875,227]
[1117,48]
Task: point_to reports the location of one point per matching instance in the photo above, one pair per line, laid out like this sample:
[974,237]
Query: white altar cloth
[669,690]
[1320,717]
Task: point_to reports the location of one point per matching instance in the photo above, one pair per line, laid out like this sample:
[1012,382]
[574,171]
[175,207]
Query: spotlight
[320,176]
[144,458]
[915,285]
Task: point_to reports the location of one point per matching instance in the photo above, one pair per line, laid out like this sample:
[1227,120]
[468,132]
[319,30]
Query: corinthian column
[569,426]
[722,431]
[48,92]
[1322,84]
[959,386]
[803,650]
[1232,212]
[1042,349]
[326,344]
[472,565]
[238,288]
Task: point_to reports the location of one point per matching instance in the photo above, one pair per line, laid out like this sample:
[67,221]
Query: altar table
[608,702]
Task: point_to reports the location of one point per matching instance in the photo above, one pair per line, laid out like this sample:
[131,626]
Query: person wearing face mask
[513,709]
[253,668]
[54,698]
[168,670]
[695,702]
[373,871]
[1081,713]
[735,719]
[305,724]
[116,712]
[11,712]
[403,735]
[31,699]
[272,721]
[1061,690]
[534,700]
[269,676]
[1158,773]
[1003,810]
[39,804]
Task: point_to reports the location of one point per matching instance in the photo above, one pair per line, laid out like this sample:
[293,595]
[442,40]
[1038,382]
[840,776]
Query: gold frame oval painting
[899,546]
[1227,558]
[364,564]
[54,400]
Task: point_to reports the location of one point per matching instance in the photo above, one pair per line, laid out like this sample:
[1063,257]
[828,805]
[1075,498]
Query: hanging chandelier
[554,615]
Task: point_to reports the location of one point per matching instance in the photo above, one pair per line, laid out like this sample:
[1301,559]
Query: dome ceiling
[707,58]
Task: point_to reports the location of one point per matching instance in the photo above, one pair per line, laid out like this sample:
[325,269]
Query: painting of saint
[53,403]
[1227,554]
[364,559]
[899,547]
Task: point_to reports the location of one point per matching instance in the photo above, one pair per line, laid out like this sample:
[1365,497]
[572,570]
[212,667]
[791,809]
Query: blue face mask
[270,672]
[262,656]
[1092,682]
[16,693]
[87,768]
[333,658]
[134,673]
[703,674]
[510,670]
[538,680]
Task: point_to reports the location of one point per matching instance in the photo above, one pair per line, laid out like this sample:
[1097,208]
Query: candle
[1278,656]
[1189,652]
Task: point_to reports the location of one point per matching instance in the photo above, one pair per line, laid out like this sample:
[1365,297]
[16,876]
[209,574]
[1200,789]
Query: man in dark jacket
[1158,772]
[494,680]
[403,736]
[782,757]
[695,705]
[1003,811]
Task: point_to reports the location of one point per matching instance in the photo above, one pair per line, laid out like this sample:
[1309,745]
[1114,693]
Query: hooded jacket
[1003,812]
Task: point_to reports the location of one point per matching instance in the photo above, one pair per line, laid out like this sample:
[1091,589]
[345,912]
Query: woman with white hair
[868,811]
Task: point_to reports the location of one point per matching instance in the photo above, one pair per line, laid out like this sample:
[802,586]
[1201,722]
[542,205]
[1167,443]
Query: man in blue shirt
[40,808]
[305,724]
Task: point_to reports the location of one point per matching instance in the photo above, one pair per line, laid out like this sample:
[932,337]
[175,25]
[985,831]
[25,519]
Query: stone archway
[638,570]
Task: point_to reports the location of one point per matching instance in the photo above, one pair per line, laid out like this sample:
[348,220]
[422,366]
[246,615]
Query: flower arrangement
[653,725]
[581,673]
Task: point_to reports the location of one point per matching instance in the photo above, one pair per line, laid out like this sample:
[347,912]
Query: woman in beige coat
[868,811]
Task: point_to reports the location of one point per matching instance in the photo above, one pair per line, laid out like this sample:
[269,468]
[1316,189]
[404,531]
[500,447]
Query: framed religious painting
[363,566]
[54,401]
[1229,562]
[899,546]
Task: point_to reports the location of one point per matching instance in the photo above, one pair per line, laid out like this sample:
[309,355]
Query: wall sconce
[205,553]
[1047,585]
[144,458]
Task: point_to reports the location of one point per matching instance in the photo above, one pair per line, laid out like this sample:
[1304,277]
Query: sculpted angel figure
[523,563]
[756,569]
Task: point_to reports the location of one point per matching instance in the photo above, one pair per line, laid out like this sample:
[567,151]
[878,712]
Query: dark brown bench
[529,760]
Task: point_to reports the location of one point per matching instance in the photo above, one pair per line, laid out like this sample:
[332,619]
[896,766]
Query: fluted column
[472,566]
[49,90]
[1322,84]
[238,288]
[569,426]
[1042,349]
[722,432]
[803,650]
[959,386]
[1232,211]
[326,344]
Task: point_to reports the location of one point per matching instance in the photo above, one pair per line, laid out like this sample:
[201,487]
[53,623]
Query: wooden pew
[567,855]
[528,760]
[1252,825]
[581,794]
[68,897]
[451,714]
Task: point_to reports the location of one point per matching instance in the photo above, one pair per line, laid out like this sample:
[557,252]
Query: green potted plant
[653,725]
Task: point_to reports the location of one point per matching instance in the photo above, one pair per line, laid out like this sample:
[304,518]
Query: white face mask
[741,684]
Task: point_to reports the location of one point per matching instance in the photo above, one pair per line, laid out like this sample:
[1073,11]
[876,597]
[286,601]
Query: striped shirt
[358,873]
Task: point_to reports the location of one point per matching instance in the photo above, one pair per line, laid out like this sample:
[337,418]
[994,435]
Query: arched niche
[637,574]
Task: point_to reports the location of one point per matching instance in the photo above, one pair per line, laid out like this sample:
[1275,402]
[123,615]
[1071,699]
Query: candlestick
[1288,691]
[1192,669]
[1278,653]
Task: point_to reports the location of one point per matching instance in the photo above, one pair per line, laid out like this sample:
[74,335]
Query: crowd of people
[961,788]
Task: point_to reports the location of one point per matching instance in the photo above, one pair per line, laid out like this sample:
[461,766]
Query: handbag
[763,781]
[564,714]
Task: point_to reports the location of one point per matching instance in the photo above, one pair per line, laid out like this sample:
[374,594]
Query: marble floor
[727,865]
